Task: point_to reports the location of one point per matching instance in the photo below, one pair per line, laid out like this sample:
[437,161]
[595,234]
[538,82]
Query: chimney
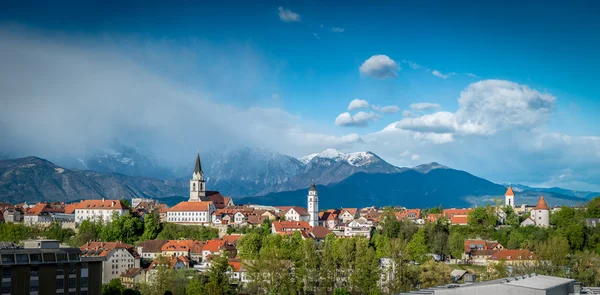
[102,200]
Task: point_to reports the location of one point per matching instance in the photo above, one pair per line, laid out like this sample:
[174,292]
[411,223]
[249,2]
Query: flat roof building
[41,267]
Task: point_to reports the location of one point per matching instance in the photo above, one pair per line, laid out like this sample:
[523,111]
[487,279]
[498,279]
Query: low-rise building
[191,213]
[43,267]
[513,257]
[187,248]
[358,227]
[116,257]
[294,213]
[479,251]
[150,249]
[99,210]
[133,277]
[12,215]
[348,214]
[216,247]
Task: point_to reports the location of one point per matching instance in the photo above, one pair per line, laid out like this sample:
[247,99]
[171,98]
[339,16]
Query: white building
[509,198]
[191,213]
[540,215]
[313,205]
[197,183]
[359,227]
[99,210]
[294,213]
[118,258]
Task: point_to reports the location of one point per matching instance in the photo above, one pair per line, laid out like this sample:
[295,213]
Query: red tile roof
[70,208]
[190,206]
[182,245]
[235,265]
[459,219]
[101,205]
[282,226]
[320,232]
[508,255]
[152,246]
[509,192]
[405,213]
[480,245]
[104,248]
[231,239]
[213,245]
[352,211]
[448,213]
[541,205]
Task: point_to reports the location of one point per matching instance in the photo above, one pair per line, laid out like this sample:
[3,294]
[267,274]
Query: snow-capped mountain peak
[355,159]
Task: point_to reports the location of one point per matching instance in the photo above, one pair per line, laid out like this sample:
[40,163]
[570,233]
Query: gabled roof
[191,206]
[231,239]
[448,213]
[523,254]
[300,210]
[541,205]
[406,212]
[509,192]
[326,215]
[352,211]
[281,226]
[213,245]
[152,246]
[182,245]
[102,249]
[101,205]
[320,232]
[459,219]
[70,208]
[236,265]
[132,272]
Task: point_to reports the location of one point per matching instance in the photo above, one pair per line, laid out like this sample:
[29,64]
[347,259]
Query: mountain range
[261,176]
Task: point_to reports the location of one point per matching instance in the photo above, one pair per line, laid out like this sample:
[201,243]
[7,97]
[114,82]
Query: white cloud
[287,15]
[415,157]
[407,114]
[441,122]
[441,75]
[380,66]
[316,36]
[337,30]
[425,106]
[412,65]
[360,119]
[390,109]
[471,75]
[358,104]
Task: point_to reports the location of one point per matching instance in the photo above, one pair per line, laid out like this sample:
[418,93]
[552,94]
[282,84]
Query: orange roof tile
[541,205]
[232,239]
[213,245]
[70,208]
[281,226]
[352,211]
[235,265]
[408,212]
[459,219]
[101,205]
[104,248]
[182,245]
[509,192]
[523,254]
[448,213]
[191,206]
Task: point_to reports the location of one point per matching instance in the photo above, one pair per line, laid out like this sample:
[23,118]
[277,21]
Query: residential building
[133,277]
[191,213]
[540,215]
[410,214]
[329,218]
[592,222]
[279,227]
[42,267]
[359,227]
[348,214]
[99,210]
[116,257]
[150,249]
[216,247]
[136,201]
[479,251]
[294,213]
[459,220]
[514,257]
[12,215]
[187,248]
[449,213]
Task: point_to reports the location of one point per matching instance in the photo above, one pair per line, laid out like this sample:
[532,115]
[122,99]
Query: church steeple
[313,205]
[197,183]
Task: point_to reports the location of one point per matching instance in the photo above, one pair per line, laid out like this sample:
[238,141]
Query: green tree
[55,232]
[417,249]
[340,291]
[151,226]
[482,217]
[593,208]
[456,244]
[218,279]
[365,275]
[114,287]
[195,287]
[126,203]
[434,274]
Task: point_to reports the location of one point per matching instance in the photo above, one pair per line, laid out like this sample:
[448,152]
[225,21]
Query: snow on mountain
[425,168]
[355,159]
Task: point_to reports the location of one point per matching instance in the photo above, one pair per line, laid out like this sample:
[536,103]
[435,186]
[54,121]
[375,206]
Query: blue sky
[526,70]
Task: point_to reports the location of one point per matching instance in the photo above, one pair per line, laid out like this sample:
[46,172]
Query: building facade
[197,183]
[116,258]
[99,210]
[42,267]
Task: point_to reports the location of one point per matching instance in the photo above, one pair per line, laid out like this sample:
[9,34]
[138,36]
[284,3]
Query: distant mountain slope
[33,179]
[411,188]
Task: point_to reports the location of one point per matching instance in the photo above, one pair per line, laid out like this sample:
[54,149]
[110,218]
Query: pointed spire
[198,167]
[313,187]
[541,205]
[509,192]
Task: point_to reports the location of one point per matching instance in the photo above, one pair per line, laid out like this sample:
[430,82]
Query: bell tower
[197,183]
[509,198]
[313,205]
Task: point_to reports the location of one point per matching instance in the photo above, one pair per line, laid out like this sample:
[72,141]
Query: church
[539,216]
[201,204]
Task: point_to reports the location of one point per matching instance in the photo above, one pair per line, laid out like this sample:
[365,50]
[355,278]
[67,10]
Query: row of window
[191,219]
[186,213]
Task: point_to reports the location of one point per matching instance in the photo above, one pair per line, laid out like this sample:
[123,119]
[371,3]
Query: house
[513,257]
[449,213]
[219,200]
[348,214]
[358,227]
[133,277]
[478,251]
[319,233]
[150,249]
[410,214]
[216,247]
[232,239]
[191,213]
[329,218]
[237,273]
[117,258]
[459,220]
[294,213]
[433,217]
[186,248]
[12,215]
[172,262]
[99,210]
[281,227]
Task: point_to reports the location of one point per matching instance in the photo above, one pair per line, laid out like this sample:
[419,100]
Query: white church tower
[197,183]
[509,198]
[313,205]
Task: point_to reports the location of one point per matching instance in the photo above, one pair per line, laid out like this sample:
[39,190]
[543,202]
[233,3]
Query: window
[34,272]
[74,256]
[35,258]
[6,273]
[61,257]
[60,284]
[22,258]
[5,287]
[84,282]
[8,258]
[72,283]
[34,285]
